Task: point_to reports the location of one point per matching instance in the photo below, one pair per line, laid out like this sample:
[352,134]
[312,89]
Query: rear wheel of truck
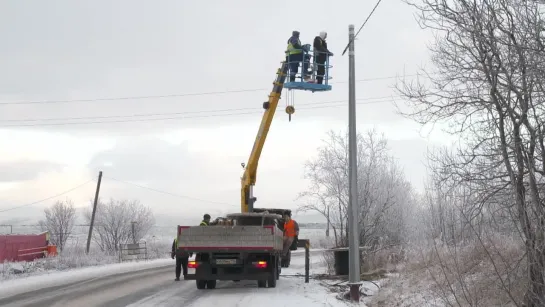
[278,268]
[274,276]
[261,283]
[211,284]
[201,284]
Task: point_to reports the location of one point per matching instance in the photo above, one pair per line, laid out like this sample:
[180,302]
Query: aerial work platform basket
[307,77]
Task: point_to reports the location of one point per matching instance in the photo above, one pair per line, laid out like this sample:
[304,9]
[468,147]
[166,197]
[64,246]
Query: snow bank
[14,287]
[73,257]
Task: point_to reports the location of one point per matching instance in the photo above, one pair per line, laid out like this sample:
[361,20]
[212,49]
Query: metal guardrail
[131,251]
[42,250]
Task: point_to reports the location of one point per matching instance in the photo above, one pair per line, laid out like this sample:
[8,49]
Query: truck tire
[261,283]
[278,269]
[201,284]
[211,284]
[274,276]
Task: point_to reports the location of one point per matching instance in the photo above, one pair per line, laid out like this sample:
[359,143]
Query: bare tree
[489,84]
[59,222]
[382,189]
[113,221]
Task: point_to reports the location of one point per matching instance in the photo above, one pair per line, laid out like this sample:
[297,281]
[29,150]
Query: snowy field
[159,245]
[157,288]
[74,266]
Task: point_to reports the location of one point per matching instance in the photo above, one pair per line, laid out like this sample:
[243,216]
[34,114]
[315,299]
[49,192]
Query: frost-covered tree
[383,194]
[488,83]
[59,222]
[113,222]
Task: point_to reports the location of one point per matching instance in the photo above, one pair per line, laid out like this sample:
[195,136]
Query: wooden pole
[94,212]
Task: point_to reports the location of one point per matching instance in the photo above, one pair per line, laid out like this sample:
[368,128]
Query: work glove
[172,255]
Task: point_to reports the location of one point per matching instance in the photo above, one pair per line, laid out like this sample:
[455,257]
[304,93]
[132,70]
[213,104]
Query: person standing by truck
[291,231]
[182,259]
[205,220]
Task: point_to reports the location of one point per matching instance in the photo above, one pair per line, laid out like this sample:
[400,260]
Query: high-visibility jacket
[292,50]
[203,223]
[290,229]
[176,251]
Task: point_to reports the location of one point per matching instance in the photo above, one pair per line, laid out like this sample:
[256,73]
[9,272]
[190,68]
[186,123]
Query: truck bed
[230,238]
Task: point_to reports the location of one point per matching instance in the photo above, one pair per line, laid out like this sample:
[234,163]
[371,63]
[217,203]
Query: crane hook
[290,110]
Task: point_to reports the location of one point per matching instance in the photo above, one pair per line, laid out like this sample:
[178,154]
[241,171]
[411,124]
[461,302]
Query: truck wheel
[278,269]
[273,277]
[201,284]
[261,283]
[211,284]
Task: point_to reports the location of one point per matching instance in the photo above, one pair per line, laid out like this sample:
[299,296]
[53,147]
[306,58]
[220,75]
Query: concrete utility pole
[353,214]
[94,212]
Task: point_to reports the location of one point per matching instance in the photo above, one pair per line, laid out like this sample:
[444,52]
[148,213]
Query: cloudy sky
[165,97]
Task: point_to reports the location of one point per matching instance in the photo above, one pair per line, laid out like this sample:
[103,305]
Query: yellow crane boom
[250,169]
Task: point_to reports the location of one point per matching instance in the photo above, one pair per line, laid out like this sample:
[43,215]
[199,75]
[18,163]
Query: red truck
[28,247]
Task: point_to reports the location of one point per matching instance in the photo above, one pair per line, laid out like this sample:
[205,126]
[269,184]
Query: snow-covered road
[155,286]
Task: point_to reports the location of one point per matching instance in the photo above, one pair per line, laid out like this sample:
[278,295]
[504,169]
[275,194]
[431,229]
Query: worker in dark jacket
[182,259]
[295,54]
[321,53]
[205,220]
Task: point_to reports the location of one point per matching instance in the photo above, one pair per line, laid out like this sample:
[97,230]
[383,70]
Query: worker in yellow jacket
[182,259]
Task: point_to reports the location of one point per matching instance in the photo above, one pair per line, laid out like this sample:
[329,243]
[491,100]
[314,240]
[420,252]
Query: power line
[180,117]
[174,95]
[169,193]
[365,22]
[48,198]
[177,113]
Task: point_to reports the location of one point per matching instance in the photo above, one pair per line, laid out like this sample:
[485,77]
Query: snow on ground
[55,278]
[291,289]
[288,292]
[74,256]
[404,291]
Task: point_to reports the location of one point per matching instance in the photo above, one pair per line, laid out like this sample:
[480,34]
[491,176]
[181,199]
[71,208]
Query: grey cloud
[62,50]
[25,170]
[149,159]
[411,155]
[161,166]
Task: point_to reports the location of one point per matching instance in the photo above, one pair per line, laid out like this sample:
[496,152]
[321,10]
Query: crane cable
[290,103]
